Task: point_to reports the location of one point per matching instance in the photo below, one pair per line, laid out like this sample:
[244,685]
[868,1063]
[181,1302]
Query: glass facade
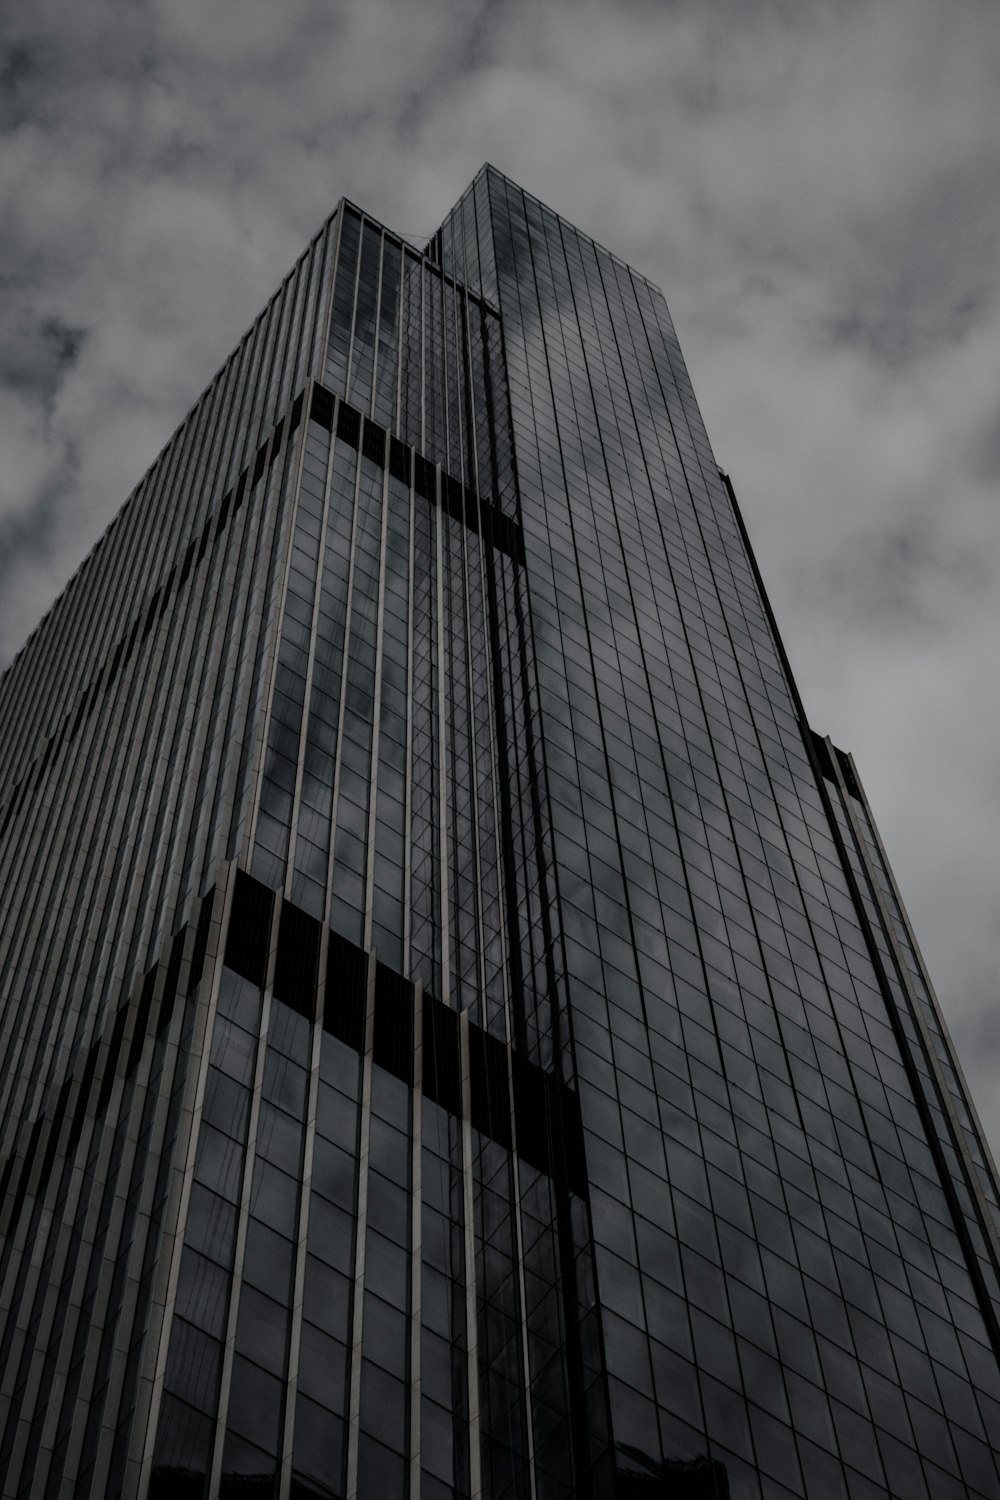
[460,1034]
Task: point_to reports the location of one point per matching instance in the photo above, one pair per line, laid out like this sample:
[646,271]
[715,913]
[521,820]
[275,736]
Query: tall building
[461,1036]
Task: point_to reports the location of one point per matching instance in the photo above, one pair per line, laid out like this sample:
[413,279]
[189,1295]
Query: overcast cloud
[816,187]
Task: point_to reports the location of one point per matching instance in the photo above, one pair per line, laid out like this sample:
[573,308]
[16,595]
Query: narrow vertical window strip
[442,756]
[416,1240]
[408,770]
[237,796]
[344,684]
[238,670]
[369,406]
[307,723]
[301,1246]
[373,788]
[357,1325]
[342,307]
[143,1446]
[243,1212]
[471,1323]
[272,665]
[352,320]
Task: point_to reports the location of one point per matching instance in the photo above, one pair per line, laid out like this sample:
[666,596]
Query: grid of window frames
[785,1284]
[463,1037]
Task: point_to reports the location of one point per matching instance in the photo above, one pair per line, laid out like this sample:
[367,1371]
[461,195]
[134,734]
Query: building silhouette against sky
[460,1034]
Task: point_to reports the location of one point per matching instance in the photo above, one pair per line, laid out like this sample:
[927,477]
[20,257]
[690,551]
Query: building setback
[459,1033]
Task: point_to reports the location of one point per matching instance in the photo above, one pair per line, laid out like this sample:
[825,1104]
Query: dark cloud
[816,187]
[21,73]
[37,354]
[907,577]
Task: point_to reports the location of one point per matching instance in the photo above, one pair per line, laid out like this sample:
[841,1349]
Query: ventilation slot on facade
[349,425]
[504,533]
[423,477]
[822,754]
[572,1123]
[847,771]
[442,1075]
[321,407]
[373,443]
[249,928]
[451,497]
[531,1114]
[490,1103]
[392,1044]
[296,965]
[346,992]
[399,460]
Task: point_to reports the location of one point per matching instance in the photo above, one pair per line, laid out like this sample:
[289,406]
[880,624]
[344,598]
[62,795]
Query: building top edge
[489,168]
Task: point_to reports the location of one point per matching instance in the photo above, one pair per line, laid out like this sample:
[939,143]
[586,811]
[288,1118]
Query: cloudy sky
[816,187]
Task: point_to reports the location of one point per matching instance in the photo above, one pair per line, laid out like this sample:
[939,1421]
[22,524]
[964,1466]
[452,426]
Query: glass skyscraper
[459,1033]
